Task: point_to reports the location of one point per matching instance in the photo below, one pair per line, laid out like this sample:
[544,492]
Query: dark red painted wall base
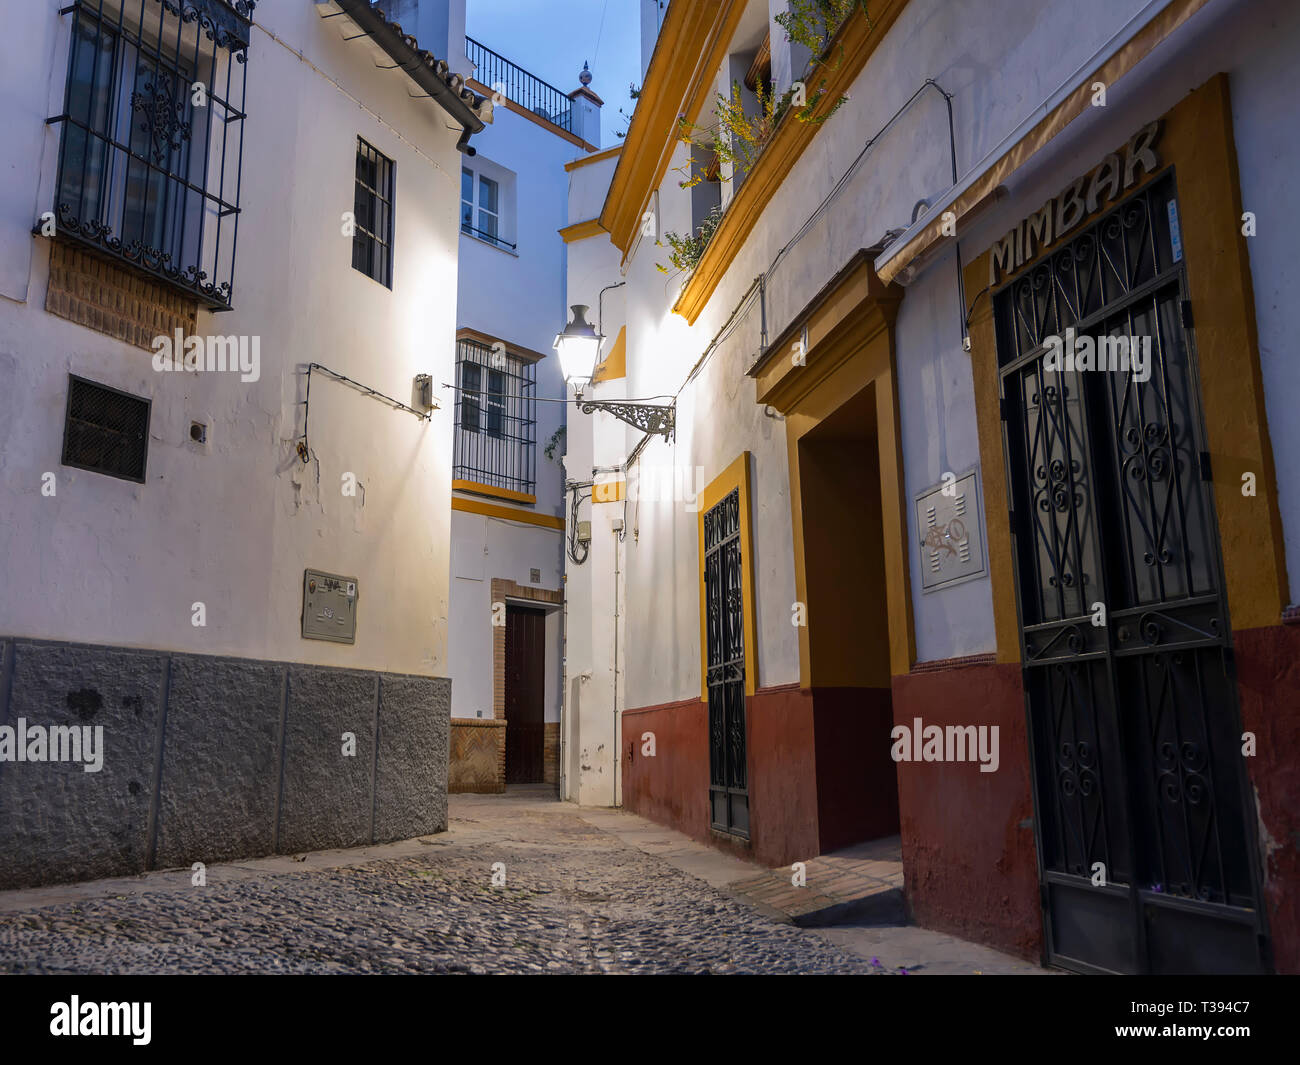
[672,788]
[1268,687]
[969,862]
[820,776]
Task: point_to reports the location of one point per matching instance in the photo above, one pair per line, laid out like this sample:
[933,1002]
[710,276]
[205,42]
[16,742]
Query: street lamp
[578,348]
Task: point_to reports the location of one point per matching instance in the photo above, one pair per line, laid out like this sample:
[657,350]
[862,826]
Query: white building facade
[234,561]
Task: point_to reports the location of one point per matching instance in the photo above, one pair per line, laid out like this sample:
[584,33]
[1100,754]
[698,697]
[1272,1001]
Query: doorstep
[859,883]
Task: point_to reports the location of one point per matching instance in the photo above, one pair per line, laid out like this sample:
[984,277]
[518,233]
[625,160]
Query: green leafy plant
[685,250]
[553,444]
[814,24]
[738,136]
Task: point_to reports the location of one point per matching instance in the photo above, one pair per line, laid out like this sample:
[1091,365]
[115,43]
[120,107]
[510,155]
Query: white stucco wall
[1000,68]
[483,549]
[233,524]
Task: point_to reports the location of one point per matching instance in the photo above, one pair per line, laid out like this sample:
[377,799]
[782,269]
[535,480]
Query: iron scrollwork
[648,417]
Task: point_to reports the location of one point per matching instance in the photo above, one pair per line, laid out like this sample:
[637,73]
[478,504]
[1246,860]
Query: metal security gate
[725,632]
[1143,824]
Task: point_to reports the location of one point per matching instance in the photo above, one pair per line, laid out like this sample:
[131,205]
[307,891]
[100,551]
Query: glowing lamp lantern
[578,347]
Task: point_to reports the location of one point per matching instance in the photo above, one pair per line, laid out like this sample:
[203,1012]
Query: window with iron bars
[151,145]
[496,418]
[372,243]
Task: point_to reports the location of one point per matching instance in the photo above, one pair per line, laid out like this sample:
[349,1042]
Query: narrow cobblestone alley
[580,896]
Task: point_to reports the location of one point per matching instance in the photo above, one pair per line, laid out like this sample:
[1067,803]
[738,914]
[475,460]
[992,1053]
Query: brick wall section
[113,299]
[501,591]
[551,755]
[478,755]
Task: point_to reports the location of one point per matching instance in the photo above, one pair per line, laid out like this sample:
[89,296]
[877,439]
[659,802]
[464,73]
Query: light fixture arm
[648,417]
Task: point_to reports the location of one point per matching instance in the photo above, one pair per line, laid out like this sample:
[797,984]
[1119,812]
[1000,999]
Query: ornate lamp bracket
[648,417]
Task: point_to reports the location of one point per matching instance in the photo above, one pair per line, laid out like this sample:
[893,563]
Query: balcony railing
[513,82]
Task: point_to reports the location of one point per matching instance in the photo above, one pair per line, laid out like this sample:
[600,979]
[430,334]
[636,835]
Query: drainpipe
[564,676]
[618,738]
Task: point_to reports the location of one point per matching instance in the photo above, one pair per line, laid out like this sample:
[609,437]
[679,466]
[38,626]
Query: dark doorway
[525,668]
[1143,821]
[848,627]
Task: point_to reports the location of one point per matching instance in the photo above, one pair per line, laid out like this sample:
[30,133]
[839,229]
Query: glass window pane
[487,195]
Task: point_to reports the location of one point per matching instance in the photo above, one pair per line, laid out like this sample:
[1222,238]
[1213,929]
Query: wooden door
[525,684]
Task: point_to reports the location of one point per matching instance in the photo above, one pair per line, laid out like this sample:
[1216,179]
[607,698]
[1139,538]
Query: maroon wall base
[969,862]
[1268,686]
[782,776]
[857,781]
[672,788]
[820,775]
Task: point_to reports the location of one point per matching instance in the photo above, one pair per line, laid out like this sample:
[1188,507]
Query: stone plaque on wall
[950,527]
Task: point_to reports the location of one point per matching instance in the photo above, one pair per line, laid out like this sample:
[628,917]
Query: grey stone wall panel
[221,760]
[414,738]
[59,823]
[226,767]
[327,795]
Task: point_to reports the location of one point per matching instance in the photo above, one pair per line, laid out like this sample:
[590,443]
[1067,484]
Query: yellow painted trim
[609,491]
[581,230]
[691,46]
[850,348]
[479,488]
[523,112]
[492,510]
[735,476]
[1077,103]
[614,365]
[595,157]
[1197,140]
[858,39]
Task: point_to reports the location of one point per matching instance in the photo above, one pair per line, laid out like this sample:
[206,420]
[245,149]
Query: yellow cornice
[852,310]
[858,39]
[596,157]
[493,510]
[581,230]
[479,488]
[687,55]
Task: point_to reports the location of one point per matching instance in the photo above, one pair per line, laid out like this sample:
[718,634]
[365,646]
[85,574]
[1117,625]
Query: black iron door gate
[725,636]
[1143,824]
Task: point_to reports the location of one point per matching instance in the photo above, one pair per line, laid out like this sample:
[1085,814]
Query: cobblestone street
[576,899]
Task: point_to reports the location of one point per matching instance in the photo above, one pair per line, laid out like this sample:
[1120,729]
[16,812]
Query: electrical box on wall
[329,607]
[950,523]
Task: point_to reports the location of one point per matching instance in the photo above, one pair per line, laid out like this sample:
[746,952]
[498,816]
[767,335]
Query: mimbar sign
[1079,200]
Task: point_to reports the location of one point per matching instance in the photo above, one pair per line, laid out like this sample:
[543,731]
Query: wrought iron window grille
[151,144]
[496,418]
[372,242]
